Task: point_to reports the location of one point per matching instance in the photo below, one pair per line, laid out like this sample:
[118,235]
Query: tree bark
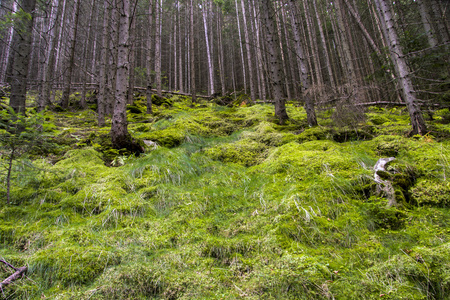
[158,26]
[192,52]
[149,51]
[131,77]
[22,45]
[241,47]
[71,58]
[44,97]
[324,44]
[402,69]
[275,71]
[102,93]
[19,272]
[361,26]
[249,54]
[7,55]
[426,20]
[262,89]
[304,74]
[85,57]
[119,132]
[208,52]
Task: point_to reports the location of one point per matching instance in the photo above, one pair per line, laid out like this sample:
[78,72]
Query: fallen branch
[19,272]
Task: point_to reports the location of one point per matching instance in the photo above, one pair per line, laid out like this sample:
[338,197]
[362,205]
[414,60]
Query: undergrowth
[226,204]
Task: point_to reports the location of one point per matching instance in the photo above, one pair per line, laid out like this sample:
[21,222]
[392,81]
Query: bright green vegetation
[232,206]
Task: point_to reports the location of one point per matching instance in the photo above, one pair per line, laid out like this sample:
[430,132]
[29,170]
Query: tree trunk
[241,47]
[361,26]
[103,80]
[85,71]
[44,97]
[402,69]
[7,55]
[71,58]
[275,70]
[131,77]
[249,54]
[440,19]
[301,60]
[262,91]
[119,132]
[22,49]
[158,26]
[426,20]
[192,52]
[149,51]
[180,57]
[208,52]
[220,52]
[324,44]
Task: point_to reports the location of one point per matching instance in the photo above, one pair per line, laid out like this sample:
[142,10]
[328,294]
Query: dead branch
[19,272]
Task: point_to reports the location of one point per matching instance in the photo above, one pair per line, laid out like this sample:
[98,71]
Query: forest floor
[230,205]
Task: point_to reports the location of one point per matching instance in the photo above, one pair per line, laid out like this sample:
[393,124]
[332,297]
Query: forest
[224,149]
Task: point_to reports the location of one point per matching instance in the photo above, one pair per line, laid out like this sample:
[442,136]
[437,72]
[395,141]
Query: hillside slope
[231,205]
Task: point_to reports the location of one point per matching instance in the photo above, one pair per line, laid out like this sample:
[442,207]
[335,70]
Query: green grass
[231,206]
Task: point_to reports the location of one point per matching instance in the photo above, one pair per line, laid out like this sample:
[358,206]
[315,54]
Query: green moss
[377,119]
[72,265]
[292,158]
[245,152]
[170,137]
[431,192]
[314,133]
[133,109]
[158,101]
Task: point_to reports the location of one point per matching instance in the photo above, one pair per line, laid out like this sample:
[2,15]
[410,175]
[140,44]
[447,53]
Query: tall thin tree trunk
[85,70]
[426,20]
[324,45]
[262,91]
[220,52]
[103,80]
[249,54]
[131,77]
[71,58]
[22,49]
[440,19]
[241,47]
[44,97]
[158,26]
[149,64]
[283,60]
[361,26]
[180,56]
[313,43]
[119,131]
[275,70]
[402,69]
[303,69]
[192,52]
[7,55]
[208,52]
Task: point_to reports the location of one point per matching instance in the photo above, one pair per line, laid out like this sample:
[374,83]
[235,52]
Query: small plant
[19,135]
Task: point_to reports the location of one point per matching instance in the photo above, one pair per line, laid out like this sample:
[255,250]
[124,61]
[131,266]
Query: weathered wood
[19,272]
